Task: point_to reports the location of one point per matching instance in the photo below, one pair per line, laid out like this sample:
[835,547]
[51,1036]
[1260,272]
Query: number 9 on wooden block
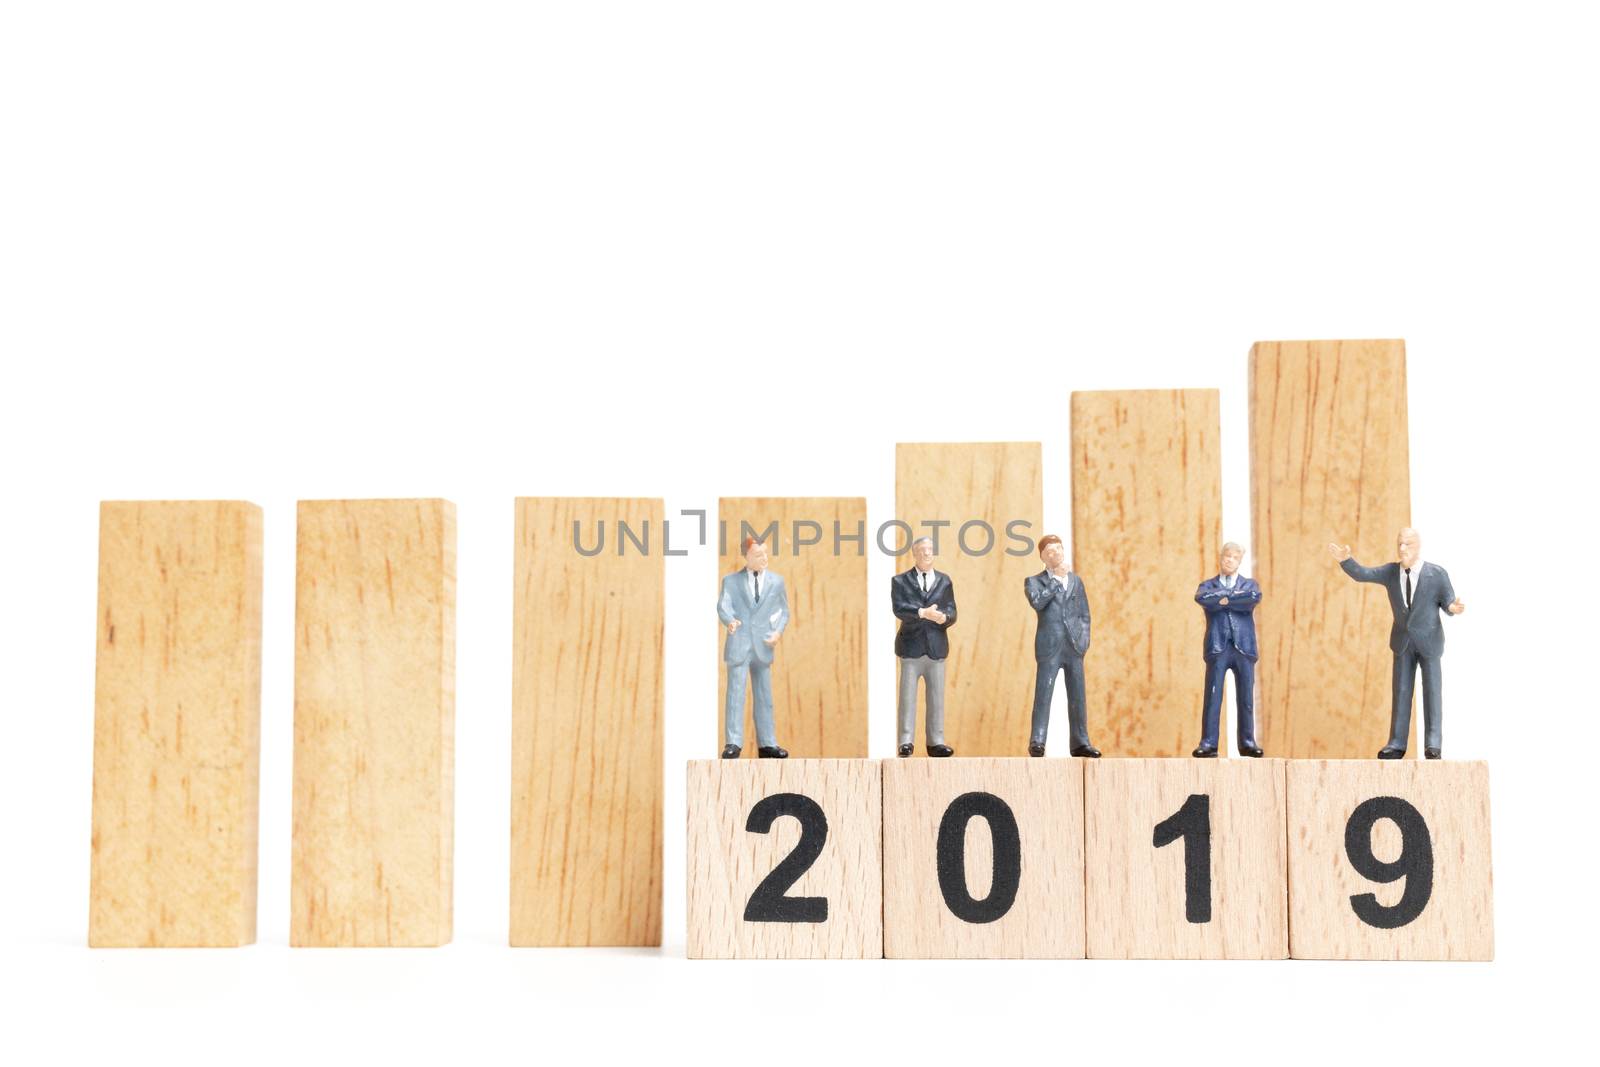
[785,859]
[983,858]
[1389,860]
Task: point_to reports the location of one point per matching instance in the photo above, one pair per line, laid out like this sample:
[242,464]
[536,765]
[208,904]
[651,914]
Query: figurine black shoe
[1205,752]
[1035,748]
[941,750]
[906,750]
[730,751]
[1250,748]
[1087,752]
[1392,753]
[1431,753]
[772,752]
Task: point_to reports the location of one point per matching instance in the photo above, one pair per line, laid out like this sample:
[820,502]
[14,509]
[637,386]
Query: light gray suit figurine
[1418,592]
[1058,646]
[755,608]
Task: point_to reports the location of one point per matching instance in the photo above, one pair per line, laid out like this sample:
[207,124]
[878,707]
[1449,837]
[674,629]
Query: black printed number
[952,857]
[768,904]
[1192,823]
[1415,863]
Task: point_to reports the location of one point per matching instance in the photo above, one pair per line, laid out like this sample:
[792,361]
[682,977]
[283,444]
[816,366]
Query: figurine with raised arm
[1058,645]
[1418,592]
[924,601]
[755,608]
[1229,601]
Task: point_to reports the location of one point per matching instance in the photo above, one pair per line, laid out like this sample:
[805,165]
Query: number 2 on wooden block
[769,903]
[1415,863]
[1192,823]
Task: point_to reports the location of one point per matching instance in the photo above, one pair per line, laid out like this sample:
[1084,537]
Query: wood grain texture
[1453,798]
[586,726]
[1146,531]
[726,862]
[177,725]
[374,719]
[1045,920]
[990,670]
[1136,896]
[1329,462]
[819,673]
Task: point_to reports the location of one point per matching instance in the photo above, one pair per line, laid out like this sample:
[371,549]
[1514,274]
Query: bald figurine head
[1408,547]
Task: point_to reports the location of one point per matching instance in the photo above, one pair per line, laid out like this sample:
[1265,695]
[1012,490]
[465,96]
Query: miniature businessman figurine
[1229,601]
[1059,644]
[1418,591]
[755,609]
[925,603]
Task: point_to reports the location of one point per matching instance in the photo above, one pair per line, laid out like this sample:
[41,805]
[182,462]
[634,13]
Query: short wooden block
[983,858]
[177,725]
[1389,860]
[785,859]
[1186,859]
[374,719]
[819,673]
[990,671]
[586,704]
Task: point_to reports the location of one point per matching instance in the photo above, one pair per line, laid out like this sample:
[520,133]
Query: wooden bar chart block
[1328,464]
[980,490]
[785,859]
[586,725]
[1186,859]
[983,858]
[1146,530]
[177,725]
[1389,860]
[819,672]
[374,719]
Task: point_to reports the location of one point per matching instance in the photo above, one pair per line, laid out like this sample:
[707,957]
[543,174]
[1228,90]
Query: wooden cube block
[1389,860]
[177,724]
[1186,859]
[785,859]
[983,858]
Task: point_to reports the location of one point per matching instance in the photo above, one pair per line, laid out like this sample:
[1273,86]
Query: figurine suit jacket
[1233,625]
[1431,593]
[919,636]
[1063,615]
[756,621]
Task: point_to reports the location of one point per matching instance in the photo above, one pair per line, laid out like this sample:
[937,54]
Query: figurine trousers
[760,675]
[1244,698]
[1406,662]
[932,672]
[1044,685]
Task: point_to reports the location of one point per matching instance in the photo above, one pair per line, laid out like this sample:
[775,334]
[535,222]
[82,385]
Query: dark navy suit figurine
[1418,592]
[1229,601]
[925,603]
[1058,646]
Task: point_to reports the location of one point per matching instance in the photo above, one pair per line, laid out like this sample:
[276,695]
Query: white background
[291,250]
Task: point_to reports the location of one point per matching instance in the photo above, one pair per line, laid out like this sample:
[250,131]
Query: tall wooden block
[785,859]
[1389,860]
[374,720]
[1328,464]
[586,725]
[177,725]
[1187,859]
[819,674]
[983,858]
[982,488]
[1146,530]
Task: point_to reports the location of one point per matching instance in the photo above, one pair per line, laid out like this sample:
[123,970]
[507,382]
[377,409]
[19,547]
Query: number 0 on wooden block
[1186,859]
[1389,860]
[785,859]
[983,858]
